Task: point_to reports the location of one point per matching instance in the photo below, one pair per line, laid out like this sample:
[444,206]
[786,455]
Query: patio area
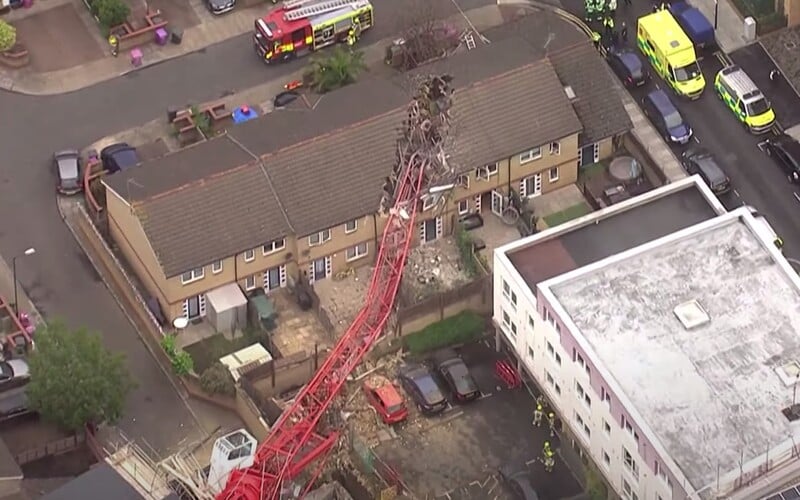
[341,299]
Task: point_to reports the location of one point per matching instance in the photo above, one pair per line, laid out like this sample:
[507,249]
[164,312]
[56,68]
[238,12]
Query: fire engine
[298,27]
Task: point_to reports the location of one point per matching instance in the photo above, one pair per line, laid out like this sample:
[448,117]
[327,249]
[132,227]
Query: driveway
[457,455]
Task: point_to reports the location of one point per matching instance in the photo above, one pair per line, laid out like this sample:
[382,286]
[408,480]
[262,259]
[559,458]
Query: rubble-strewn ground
[341,299]
[433,268]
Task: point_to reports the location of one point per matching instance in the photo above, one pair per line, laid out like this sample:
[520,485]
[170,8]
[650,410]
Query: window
[513,329]
[606,459]
[546,315]
[630,463]
[660,472]
[350,226]
[486,172]
[273,246]
[462,181]
[319,238]
[463,207]
[506,288]
[356,252]
[429,201]
[506,319]
[582,425]
[607,428]
[530,321]
[530,155]
[578,359]
[249,255]
[514,299]
[628,426]
[550,349]
[553,174]
[250,283]
[606,397]
[193,275]
[579,390]
[530,352]
[627,491]
[558,389]
[587,400]
[216,267]
[555,148]
[549,378]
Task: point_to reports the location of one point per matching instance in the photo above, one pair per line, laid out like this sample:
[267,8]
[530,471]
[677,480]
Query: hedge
[464,327]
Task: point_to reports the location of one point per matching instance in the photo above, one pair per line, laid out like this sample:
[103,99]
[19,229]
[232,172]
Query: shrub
[110,13]
[182,363]
[8,36]
[217,379]
[464,327]
[466,250]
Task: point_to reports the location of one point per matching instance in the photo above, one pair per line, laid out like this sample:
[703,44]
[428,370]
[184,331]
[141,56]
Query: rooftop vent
[570,93]
[691,314]
[789,373]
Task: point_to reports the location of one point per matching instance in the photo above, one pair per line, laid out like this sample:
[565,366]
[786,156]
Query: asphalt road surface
[59,278]
[756,179]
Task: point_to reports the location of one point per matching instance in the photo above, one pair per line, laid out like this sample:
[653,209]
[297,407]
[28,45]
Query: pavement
[457,454]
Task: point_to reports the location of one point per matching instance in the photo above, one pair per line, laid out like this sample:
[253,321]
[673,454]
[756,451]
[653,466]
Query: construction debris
[433,268]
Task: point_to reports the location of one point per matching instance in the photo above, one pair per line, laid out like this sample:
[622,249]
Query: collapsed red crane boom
[296,439]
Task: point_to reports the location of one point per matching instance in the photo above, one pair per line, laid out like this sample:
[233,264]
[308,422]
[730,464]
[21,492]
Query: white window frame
[463,206]
[463,181]
[514,300]
[193,275]
[513,329]
[273,246]
[357,254]
[530,155]
[630,464]
[506,319]
[550,176]
[607,428]
[321,237]
[216,267]
[506,289]
[606,459]
[250,282]
[555,148]
[353,229]
[486,172]
[249,255]
[430,201]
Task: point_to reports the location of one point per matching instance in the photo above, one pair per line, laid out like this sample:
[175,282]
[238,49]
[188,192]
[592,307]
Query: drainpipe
[375,231]
[236,268]
[509,177]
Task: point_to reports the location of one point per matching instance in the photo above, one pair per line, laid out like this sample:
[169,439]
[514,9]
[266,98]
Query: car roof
[630,60]
[789,144]
[710,166]
[389,395]
[661,100]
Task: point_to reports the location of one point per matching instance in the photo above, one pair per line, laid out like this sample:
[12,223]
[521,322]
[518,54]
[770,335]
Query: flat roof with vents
[700,329]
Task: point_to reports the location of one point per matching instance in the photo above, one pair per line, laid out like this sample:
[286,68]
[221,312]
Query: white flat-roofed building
[666,333]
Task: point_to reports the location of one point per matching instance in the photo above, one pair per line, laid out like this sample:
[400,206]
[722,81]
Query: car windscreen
[6,372]
[461,378]
[673,120]
[68,168]
[394,408]
[758,107]
[427,386]
[632,64]
[688,72]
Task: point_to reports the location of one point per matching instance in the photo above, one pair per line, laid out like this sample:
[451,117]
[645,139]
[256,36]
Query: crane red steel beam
[294,441]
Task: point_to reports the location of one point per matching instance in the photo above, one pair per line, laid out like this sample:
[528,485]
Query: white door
[320,269]
[497,203]
[477,203]
[535,188]
[431,230]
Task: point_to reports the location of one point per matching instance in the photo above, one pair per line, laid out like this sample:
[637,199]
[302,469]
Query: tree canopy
[74,379]
[335,69]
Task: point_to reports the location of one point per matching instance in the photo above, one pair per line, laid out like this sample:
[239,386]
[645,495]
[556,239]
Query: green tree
[110,13]
[74,379]
[217,379]
[8,36]
[337,69]
[595,487]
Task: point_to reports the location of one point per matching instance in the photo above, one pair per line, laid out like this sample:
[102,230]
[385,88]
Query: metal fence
[371,463]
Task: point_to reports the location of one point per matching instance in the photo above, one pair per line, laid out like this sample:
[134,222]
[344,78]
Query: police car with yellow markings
[744,99]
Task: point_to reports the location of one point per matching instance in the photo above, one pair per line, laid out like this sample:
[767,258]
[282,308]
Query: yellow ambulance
[671,53]
[743,98]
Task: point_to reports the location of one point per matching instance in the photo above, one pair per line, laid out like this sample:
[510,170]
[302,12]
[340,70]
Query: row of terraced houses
[294,195]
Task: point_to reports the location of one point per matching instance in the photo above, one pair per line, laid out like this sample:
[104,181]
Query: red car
[383,396]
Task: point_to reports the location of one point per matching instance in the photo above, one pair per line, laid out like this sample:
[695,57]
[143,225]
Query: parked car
[67,164]
[14,369]
[519,483]
[419,383]
[627,65]
[786,151]
[119,156]
[666,117]
[694,24]
[456,375]
[701,162]
[218,7]
[383,396]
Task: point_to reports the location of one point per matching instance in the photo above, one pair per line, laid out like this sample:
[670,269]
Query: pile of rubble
[433,268]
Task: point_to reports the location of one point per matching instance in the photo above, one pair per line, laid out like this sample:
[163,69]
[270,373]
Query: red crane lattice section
[295,440]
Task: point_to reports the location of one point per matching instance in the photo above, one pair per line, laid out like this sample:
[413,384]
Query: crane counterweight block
[300,436]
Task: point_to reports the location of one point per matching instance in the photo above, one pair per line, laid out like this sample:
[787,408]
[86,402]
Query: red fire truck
[298,27]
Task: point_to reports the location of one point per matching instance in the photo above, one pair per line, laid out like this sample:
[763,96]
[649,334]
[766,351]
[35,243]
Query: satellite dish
[180,323]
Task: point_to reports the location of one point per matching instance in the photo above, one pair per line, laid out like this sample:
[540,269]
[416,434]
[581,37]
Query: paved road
[59,278]
[757,181]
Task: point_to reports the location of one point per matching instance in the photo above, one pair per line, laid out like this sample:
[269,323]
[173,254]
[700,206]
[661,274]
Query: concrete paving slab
[757,63]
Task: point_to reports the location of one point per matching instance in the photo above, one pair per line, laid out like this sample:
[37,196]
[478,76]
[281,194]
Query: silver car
[14,369]
[68,169]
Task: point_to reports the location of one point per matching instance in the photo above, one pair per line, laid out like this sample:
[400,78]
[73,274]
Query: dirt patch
[178,13]
[433,268]
[58,39]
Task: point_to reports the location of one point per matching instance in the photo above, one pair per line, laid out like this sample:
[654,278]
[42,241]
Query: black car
[420,384]
[68,170]
[119,156]
[701,162]
[786,152]
[218,7]
[519,483]
[627,65]
[456,375]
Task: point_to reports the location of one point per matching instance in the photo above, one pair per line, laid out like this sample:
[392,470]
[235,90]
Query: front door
[320,269]
[589,155]
[193,307]
[497,203]
[272,278]
[429,230]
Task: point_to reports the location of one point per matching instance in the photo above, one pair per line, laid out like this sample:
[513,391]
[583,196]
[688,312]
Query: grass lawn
[567,214]
[462,328]
[592,170]
[207,352]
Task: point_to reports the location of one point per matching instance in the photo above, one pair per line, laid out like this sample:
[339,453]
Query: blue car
[666,117]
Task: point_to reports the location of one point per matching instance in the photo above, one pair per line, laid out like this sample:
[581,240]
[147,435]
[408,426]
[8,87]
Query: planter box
[16,57]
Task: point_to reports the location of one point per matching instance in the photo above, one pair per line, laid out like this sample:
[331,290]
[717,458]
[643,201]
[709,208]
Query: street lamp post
[716,13]
[26,253]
